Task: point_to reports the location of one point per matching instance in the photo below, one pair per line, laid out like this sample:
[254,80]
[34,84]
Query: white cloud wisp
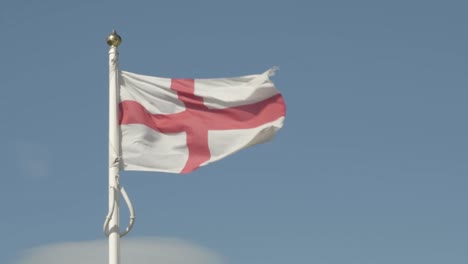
[138,251]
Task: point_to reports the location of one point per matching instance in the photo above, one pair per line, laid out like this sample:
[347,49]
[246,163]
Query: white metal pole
[114,149]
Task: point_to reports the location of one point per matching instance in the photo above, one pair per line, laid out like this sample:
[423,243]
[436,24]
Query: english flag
[178,125]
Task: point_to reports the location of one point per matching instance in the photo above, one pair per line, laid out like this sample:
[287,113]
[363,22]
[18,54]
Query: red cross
[197,119]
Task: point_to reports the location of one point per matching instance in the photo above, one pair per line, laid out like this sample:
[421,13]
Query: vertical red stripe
[198,148]
[196,131]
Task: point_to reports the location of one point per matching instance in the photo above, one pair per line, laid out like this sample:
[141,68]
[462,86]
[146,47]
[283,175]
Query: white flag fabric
[178,125]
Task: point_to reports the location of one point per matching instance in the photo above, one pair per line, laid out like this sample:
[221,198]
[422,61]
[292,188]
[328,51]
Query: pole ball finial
[114,39]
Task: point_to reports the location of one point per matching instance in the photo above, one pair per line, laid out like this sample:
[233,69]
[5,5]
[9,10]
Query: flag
[178,125]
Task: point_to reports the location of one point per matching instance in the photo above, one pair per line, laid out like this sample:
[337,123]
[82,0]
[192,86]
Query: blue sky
[370,166]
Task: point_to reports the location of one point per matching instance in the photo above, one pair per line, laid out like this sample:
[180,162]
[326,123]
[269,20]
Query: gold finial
[114,39]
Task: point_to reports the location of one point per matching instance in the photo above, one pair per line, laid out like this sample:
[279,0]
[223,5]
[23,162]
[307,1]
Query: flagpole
[114,40]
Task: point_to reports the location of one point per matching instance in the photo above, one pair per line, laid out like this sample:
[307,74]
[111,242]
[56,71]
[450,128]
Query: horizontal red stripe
[240,117]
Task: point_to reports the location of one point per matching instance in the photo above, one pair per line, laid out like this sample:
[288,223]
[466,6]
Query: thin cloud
[32,159]
[141,251]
